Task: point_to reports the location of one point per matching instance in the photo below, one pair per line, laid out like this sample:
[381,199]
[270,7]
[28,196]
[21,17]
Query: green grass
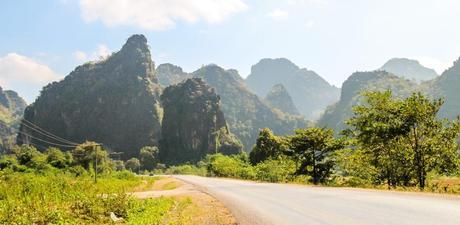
[60,198]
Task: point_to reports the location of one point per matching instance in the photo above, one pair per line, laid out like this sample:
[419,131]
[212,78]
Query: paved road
[282,204]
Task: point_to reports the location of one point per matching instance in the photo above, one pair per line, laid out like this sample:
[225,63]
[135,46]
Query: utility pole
[95,161]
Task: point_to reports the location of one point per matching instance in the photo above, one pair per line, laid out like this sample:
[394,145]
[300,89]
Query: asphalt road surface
[284,204]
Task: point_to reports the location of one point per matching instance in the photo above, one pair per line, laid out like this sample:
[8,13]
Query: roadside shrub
[186,170]
[229,166]
[280,170]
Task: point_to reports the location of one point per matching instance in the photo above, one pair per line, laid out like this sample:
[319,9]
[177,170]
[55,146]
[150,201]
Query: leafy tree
[57,158]
[268,146]
[25,153]
[133,164]
[148,157]
[376,126]
[404,138]
[432,142]
[312,147]
[85,155]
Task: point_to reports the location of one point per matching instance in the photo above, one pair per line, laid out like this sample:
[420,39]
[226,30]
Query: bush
[186,170]
[280,170]
[229,166]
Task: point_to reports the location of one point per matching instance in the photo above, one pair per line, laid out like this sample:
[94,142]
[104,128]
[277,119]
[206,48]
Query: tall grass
[62,198]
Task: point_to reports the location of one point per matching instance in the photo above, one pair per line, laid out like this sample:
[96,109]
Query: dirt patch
[196,208]
[166,183]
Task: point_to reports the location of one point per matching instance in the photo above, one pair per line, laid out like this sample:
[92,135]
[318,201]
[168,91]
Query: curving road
[282,204]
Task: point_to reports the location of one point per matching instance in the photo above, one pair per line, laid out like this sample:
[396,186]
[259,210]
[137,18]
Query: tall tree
[267,146]
[313,148]
[376,125]
[148,157]
[432,141]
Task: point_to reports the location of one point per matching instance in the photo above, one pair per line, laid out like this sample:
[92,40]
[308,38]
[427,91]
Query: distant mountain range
[310,93]
[126,103]
[409,69]
[244,111]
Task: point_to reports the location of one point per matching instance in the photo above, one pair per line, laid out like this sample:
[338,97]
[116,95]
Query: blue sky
[42,41]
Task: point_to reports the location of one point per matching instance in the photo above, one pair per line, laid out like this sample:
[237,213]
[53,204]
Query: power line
[61,145]
[49,133]
[36,145]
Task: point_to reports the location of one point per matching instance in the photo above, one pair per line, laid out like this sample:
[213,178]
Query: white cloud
[24,75]
[101,52]
[278,14]
[307,2]
[158,14]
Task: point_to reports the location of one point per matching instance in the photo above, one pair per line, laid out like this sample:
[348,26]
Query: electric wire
[49,133]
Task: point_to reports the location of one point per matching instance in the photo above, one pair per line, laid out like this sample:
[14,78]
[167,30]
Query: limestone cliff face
[447,87]
[194,124]
[11,110]
[114,101]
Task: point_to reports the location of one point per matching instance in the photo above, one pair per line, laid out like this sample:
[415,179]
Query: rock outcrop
[279,98]
[114,101]
[11,110]
[194,124]
[169,74]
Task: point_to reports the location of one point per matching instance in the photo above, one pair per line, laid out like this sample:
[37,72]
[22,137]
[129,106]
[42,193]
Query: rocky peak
[194,124]
[169,74]
[278,97]
[114,101]
[409,69]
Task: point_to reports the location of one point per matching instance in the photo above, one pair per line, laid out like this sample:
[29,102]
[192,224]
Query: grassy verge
[60,198]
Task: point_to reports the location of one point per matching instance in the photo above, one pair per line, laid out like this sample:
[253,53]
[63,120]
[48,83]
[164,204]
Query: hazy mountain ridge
[336,114]
[409,69]
[310,93]
[447,86]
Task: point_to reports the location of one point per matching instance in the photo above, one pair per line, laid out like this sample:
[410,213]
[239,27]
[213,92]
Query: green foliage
[187,169]
[404,139]
[148,157]
[268,146]
[58,159]
[133,164]
[312,149]
[28,198]
[229,166]
[275,170]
